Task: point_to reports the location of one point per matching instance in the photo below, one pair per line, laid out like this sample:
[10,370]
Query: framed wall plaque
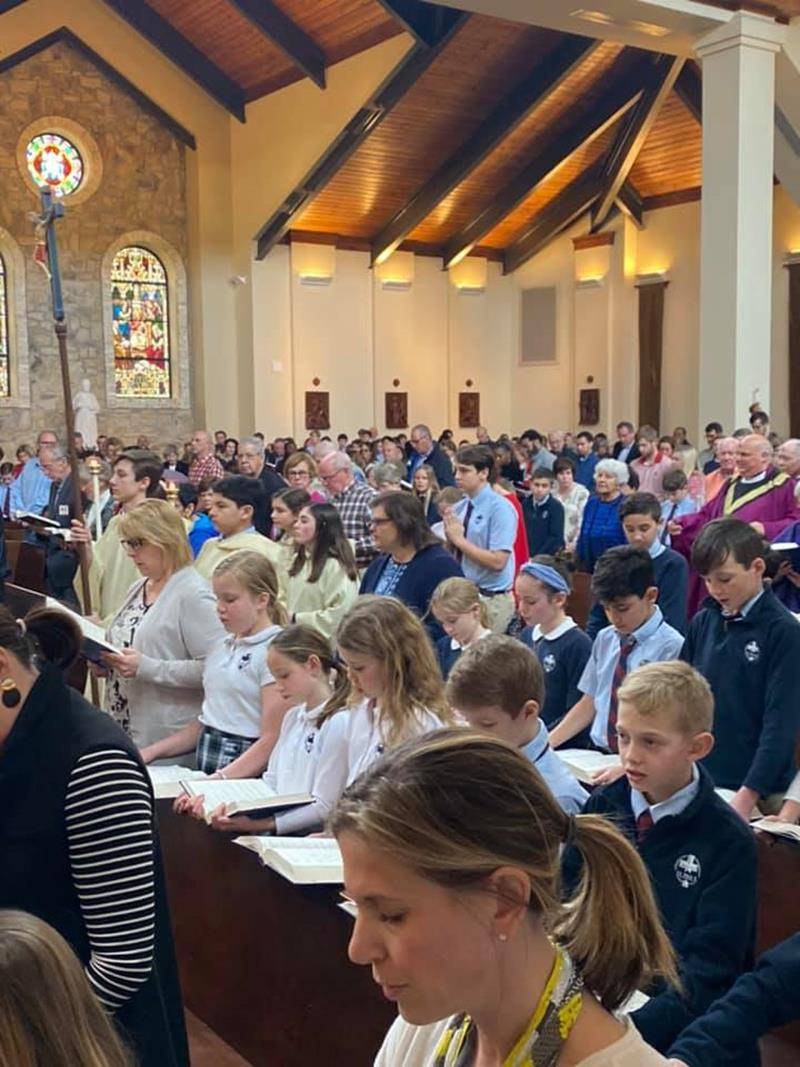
[318,414]
[396,411]
[589,411]
[469,410]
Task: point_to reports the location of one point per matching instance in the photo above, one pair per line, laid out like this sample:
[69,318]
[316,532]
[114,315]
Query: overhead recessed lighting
[592,16]
[650,29]
[602,18]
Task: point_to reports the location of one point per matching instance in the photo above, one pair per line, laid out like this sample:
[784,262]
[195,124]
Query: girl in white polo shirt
[242,708]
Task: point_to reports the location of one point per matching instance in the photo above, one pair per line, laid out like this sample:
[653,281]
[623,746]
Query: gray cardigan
[174,638]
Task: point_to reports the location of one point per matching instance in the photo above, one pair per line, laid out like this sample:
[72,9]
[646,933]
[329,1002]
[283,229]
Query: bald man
[758,494]
[204,463]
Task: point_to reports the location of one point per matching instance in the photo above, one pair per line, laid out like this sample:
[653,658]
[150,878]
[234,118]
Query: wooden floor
[208,1050]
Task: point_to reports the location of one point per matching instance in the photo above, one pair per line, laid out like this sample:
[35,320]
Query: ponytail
[611,926]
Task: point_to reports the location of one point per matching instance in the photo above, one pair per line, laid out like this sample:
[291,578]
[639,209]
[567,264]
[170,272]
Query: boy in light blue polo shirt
[624,583]
[497,684]
[481,530]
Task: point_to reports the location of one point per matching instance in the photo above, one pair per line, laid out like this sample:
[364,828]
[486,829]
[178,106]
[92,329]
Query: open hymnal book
[788,830]
[584,763]
[94,642]
[30,519]
[166,779]
[241,796]
[302,860]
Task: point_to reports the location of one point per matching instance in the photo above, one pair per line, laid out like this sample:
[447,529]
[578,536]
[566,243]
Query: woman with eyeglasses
[323,579]
[164,629]
[300,472]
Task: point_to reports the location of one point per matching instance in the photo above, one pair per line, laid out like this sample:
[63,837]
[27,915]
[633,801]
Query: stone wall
[142,188]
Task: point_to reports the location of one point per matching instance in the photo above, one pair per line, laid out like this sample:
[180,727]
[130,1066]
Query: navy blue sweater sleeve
[781,721]
[765,998]
[555,533]
[597,621]
[672,579]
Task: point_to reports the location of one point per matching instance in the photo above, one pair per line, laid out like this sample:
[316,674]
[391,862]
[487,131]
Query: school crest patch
[549,663]
[752,652]
[688,870]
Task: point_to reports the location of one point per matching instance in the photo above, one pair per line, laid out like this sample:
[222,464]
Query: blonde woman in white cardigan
[164,629]
[323,579]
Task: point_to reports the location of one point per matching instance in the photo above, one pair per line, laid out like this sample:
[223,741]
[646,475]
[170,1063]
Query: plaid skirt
[216,749]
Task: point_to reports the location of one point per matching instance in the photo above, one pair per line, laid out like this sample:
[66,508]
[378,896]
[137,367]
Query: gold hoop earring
[9,694]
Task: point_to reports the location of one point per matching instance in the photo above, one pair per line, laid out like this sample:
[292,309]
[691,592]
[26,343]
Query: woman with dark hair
[323,578]
[413,560]
[228,457]
[78,839]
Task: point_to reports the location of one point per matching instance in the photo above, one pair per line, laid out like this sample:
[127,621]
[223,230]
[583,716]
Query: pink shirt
[651,475]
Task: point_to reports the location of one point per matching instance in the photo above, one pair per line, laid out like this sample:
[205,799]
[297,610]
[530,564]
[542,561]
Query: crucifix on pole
[47,257]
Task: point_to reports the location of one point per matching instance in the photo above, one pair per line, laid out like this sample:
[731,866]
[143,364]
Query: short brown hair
[478,679]
[672,691]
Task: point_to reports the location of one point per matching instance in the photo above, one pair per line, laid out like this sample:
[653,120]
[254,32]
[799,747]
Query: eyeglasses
[132,545]
[378,522]
[299,473]
[329,477]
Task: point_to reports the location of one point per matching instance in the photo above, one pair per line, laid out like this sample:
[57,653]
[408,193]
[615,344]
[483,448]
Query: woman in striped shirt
[77,836]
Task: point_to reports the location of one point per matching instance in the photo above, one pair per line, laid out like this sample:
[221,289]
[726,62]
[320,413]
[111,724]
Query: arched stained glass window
[54,163]
[139,308]
[5,385]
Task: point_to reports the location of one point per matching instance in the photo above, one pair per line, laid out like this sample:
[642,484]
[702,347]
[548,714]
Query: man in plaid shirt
[205,464]
[352,501]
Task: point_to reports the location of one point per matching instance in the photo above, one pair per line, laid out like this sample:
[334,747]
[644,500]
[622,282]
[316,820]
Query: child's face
[366,673]
[677,495]
[7,479]
[732,584]
[227,516]
[640,530]
[656,756]
[497,721]
[463,626]
[293,679]
[535,607]
[238,610]
[540,487]
[628,613]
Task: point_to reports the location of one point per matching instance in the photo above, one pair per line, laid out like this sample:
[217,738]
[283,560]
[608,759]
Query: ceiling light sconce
[470,290]
[594,282]
[317,280]
[396,285]
[653,277]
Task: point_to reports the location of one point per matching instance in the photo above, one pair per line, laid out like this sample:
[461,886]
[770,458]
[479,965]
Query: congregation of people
[383,623]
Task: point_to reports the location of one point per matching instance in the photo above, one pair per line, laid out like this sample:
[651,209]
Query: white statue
[86,407]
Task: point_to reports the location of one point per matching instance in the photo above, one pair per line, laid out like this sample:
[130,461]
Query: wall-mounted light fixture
[652,277]
[396,285]
[318,280]
[792,257]
[470,290]
[595,281]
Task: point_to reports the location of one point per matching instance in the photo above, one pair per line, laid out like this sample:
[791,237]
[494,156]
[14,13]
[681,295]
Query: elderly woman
[164,630]
[388,477]
[300,472]
[601,527]
[412,560]
[573,496]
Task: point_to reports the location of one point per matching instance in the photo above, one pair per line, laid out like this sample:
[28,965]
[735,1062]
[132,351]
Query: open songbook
[789,830]
[584,763]
[302,860]
[40,521]
[166,780]
[20,601]
[241,796]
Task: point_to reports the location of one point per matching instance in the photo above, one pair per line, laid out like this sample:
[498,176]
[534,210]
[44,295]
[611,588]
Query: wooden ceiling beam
[8,5]
[689,88]
[513,109]
[405,74]
[283,32]
[180,51]
[631,204]
[567,207]
[635,131]
[425,22]
[621,96]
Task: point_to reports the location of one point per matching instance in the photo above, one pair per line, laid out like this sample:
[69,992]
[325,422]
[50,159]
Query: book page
[90,629]
[584,763]
[166,779]
[302,860]
[230,791]
[788,830]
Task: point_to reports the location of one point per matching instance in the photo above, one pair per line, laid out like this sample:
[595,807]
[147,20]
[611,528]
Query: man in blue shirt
[587,460]
[31,491]
[482,529]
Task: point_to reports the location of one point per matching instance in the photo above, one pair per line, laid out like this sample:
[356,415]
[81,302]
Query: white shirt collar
[456,645]
[754,479]
[656,549]
[562,628]
[673,805]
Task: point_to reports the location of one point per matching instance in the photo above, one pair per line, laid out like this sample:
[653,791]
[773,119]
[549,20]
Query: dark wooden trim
[410,68]
[426,22]
[592,240]
[510,112]
[651,349]
[634,132]
[630,203]
[689,87]
[362,244]
[679,196]
[568,206]
[794,348]
[285,34]
[65,36]
[619,98]
[9,5]
[180,51]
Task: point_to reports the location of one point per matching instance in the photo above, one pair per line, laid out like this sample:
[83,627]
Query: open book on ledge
[241,796]
[302,860]
[788,830]
[166,779]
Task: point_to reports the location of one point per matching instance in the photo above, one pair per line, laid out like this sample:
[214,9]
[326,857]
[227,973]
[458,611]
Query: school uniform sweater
[671,573]
[563,654]
[544,525]
[753,667]
[702,863]
[759,1001]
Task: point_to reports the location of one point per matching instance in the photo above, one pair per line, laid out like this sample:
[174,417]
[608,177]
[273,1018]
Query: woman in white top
[451,847]
[573,496]
[323,579]
[243,708]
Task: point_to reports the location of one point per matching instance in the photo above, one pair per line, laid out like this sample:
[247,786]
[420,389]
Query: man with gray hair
[31,490]
[427,451]
[252,463]
[60,563]
[204,464]
[352,501]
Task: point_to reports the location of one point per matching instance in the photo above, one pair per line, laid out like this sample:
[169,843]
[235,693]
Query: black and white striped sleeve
[109,820]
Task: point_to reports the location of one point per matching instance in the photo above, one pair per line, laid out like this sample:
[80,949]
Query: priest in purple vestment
[758,494]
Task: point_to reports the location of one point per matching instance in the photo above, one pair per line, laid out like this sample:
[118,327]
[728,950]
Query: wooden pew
[778,906]
[264,962]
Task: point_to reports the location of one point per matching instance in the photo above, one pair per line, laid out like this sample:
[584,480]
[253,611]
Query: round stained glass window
[54,163]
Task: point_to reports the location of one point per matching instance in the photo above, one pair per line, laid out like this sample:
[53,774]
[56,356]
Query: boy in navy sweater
[700,856]
[543,514]
[747,645]
[542,588]
[641,517]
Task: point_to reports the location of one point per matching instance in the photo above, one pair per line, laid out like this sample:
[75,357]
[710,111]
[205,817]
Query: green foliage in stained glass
[54,163]
[139,307]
